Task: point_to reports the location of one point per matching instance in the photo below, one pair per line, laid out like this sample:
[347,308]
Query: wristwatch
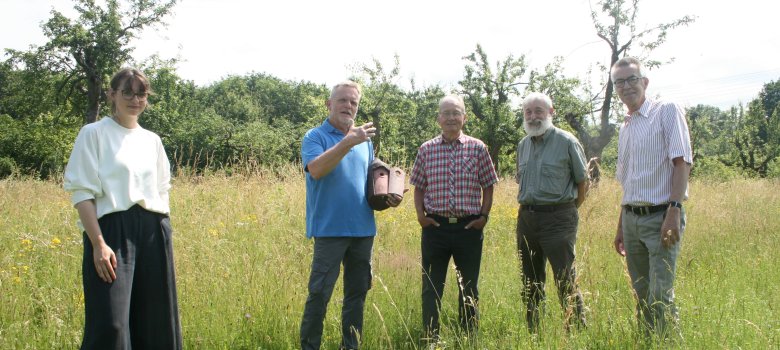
[675,204]
[486,216]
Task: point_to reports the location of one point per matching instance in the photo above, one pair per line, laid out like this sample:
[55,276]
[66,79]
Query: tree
[710,130]
[382,99]
[30,93]
[488,94]
[88,50]
[616,24]
[757,136]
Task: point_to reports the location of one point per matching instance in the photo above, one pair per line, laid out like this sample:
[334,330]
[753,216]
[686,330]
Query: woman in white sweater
[119,177]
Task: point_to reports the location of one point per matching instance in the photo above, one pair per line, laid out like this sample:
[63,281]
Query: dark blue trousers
[329,254]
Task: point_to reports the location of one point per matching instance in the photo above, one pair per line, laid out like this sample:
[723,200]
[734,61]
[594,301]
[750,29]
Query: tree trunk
[94,92]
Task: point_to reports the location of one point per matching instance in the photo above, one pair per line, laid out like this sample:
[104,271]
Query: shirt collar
[330,128]
[546,135]
[460,139]
[644,108]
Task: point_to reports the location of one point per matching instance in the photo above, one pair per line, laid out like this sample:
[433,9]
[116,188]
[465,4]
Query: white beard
[537,128]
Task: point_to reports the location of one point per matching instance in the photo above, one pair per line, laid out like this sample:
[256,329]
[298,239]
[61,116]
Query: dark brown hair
[125,77]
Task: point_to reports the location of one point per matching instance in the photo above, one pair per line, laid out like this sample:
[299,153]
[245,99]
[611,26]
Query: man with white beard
[553,181]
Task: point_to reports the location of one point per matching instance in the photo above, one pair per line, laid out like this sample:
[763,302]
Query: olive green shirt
[548,170]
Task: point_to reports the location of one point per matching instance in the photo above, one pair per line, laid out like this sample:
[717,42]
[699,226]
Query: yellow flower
[17,280]
[55,241]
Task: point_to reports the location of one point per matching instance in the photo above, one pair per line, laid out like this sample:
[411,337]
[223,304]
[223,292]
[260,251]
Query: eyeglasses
[620,83]
[129,94]
[451,113]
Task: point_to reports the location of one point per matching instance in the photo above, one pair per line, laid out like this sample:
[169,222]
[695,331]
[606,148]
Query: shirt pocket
[553,179]
[469,168]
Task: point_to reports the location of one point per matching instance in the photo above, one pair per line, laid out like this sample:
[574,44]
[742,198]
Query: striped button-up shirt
[453,175]
[649,140]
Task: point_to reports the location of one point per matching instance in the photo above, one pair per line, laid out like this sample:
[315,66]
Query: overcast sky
[721,59]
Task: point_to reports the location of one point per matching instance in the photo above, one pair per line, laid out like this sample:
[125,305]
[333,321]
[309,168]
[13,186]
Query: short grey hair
[457,99]
[538,96]
[347,83]
[627,62]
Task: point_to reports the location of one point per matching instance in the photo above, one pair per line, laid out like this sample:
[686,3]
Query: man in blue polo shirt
[336,156]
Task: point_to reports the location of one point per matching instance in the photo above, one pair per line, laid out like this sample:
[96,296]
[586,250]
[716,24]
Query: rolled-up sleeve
[578,166]
[81,174]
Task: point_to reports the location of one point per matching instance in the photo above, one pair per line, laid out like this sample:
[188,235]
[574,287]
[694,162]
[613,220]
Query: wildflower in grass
[17,280]
[213,232]
[26,245]
[55,242]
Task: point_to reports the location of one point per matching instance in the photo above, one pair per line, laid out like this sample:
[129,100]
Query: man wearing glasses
[453,179]
[654,161]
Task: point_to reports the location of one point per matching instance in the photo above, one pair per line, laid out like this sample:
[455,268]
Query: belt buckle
[452,220]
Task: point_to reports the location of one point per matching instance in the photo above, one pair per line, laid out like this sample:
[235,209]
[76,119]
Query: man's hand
[477,224]
[360,134]
[619,248]
[394,200]
[670,229]
[426,221]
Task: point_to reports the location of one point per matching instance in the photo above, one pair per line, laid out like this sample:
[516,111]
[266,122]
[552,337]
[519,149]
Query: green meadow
[242,264]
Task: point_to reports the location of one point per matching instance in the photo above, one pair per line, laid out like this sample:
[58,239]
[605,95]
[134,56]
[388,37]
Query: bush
[711,169]
[39,145]
[7,167]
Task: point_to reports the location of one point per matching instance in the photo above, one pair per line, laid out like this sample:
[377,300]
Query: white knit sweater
[118,167]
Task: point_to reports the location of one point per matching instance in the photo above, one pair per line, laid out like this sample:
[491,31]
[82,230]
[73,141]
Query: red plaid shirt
[453,175]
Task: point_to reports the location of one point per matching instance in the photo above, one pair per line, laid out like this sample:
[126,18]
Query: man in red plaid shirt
[453,177]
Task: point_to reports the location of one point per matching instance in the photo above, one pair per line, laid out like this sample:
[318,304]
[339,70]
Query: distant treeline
[257,120]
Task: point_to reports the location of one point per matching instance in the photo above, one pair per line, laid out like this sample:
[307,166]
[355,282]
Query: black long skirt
[139,310]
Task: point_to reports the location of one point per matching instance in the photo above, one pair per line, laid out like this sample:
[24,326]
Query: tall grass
[243,261]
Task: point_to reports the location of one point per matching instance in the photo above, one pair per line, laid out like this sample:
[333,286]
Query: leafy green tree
[417,125]
[38,145]
[710,129]
[87,50]
[489,94]
[384,103]
[173,100]
[234,98]
[564,93]
[28,93]
[615,22]
[201,141]
[757,136]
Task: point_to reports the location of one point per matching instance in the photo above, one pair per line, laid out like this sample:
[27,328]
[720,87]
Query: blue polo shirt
[336,204]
